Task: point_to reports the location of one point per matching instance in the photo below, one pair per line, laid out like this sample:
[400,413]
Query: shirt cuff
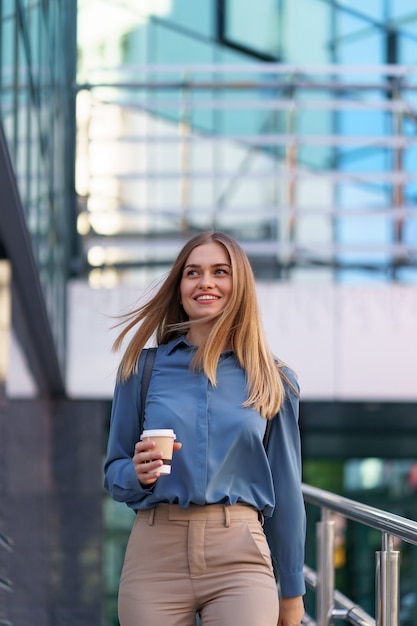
[292,585]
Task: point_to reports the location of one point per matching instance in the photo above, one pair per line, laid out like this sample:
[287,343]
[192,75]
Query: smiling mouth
[207,298]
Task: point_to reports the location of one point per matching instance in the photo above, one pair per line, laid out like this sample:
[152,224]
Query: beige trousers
[211,559]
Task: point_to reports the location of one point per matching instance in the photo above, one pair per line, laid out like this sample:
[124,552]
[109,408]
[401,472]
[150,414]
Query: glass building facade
[297,139]
[37,105]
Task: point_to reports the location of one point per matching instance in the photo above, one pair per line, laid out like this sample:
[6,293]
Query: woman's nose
[206,281]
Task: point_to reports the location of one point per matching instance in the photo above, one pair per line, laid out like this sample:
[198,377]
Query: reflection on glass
[255,26]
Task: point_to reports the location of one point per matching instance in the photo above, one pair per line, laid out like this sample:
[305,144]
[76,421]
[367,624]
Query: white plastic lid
[159,432]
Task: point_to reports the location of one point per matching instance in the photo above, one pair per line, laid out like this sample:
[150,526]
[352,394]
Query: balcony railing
[333,605]
[289,159]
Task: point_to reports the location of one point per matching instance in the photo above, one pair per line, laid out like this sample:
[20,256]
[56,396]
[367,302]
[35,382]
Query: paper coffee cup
[164,440]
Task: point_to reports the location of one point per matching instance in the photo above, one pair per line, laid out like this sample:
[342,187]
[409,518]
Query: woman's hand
[147,460]
[291,611]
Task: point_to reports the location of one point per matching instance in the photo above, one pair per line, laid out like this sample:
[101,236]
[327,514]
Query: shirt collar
[182,343]
[178,343]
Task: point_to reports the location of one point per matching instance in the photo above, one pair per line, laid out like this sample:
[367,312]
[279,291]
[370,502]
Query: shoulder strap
[267,433]
[144,384]
[268,423]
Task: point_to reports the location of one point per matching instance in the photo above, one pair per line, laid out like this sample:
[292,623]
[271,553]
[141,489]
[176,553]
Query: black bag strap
[144,384]
[267,434]
[146,377]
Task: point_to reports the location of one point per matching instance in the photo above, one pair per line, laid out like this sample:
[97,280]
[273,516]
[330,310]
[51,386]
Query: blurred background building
[124,129]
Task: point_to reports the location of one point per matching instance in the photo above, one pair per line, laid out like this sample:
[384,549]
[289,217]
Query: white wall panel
[377,344]
[344,342]
[299,324]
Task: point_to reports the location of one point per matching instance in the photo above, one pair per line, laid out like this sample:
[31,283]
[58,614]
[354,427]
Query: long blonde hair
[239,326]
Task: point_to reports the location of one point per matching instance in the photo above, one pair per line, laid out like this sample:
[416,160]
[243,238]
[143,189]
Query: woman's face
[206,283]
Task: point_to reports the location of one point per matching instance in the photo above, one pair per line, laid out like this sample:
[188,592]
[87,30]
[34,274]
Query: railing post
[325,569]
[387,583]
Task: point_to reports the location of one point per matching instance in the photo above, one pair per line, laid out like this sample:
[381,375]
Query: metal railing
[331,604]
[263,150]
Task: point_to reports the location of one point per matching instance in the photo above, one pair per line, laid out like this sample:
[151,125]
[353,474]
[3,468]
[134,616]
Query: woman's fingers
[147,460]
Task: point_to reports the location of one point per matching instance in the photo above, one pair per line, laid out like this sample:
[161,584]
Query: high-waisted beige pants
[210,559]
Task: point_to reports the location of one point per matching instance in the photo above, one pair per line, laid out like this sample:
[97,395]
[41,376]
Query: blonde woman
[216,535]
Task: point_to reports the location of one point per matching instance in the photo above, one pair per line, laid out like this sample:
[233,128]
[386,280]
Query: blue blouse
[222,459]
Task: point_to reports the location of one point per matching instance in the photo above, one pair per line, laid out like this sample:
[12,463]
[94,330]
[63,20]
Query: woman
[212,536]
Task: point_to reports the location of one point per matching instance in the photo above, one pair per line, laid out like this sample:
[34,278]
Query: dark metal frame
[224,40]
[29,318]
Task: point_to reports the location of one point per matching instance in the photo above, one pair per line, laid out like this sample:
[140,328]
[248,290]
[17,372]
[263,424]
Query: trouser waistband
[212,512]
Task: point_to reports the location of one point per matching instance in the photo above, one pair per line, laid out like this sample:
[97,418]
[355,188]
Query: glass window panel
[8,7]
[410,160]
[314,122]
[306,31]
[239,120]
[363,122]
[196,16]
[103,44]
[33,31]
[348,24]
[243,121]
[401,8]
[173,47]
[366,231]
[410,231]
[407,49]
[254,25]
[407,275]
[23,163]
[7,54]
[372,9]
[366,160]
[362,276]
[7,107]
[411,193]
[135,46]
[21,120]
[369,50]
[363,231]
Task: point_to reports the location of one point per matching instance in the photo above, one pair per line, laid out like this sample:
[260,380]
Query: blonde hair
[239,327]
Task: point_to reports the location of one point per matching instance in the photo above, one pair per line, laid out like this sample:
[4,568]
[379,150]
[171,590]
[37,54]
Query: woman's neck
[197,336]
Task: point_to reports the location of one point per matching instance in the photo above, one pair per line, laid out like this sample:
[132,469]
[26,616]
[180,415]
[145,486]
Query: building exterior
[288,123]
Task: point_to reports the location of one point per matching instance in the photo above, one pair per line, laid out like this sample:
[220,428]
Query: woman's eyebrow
[212,265]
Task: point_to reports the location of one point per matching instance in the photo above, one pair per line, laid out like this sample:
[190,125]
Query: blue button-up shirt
[222,459]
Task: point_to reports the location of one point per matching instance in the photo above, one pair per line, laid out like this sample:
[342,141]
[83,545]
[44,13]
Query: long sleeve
[120,477]
[285,530]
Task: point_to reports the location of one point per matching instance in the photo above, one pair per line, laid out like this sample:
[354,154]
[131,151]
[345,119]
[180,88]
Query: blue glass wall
[37,108]
[293,32]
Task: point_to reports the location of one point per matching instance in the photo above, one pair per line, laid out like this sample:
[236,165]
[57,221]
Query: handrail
[288,156]
[384,521]
[352,612]
[383,69]
[331,604]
